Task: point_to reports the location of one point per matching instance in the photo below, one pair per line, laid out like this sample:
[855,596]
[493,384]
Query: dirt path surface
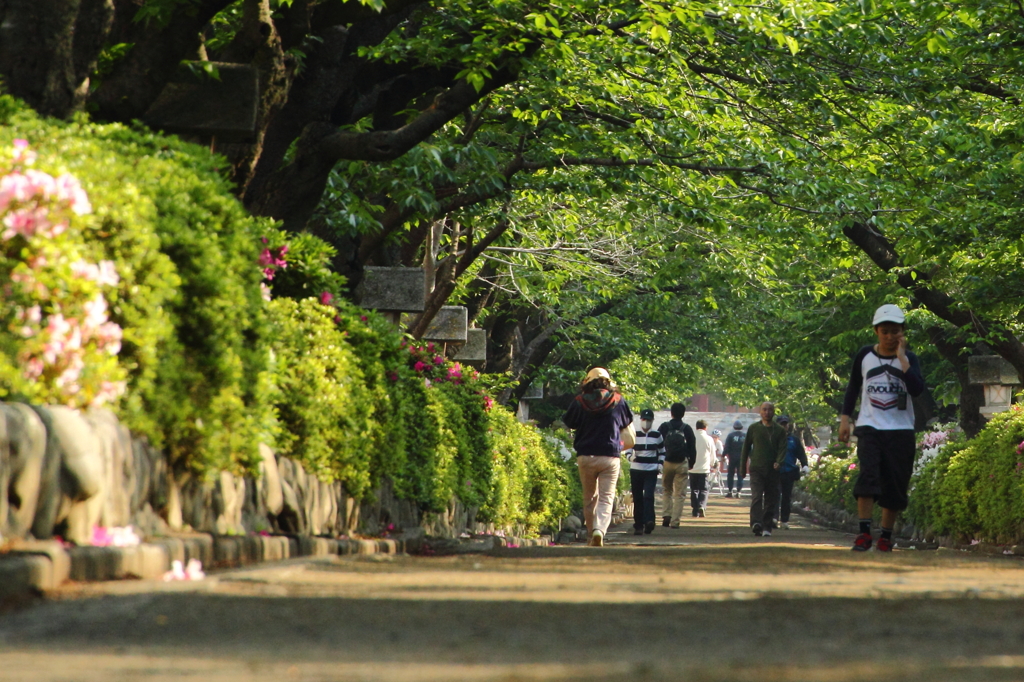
[706,602]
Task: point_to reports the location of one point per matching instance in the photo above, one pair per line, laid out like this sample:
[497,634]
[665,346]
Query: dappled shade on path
[706,602]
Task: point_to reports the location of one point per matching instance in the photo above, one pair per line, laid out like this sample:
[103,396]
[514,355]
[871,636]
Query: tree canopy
[702,195]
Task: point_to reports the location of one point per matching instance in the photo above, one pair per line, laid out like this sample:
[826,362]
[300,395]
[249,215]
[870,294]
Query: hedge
[974,490]
[233,333]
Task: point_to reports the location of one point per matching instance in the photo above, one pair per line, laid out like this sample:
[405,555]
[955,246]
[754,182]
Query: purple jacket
[597,420]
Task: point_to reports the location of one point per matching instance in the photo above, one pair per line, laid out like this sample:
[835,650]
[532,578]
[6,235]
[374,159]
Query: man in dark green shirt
[765,450]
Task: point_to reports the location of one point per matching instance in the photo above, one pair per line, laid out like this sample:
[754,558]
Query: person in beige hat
[599,414]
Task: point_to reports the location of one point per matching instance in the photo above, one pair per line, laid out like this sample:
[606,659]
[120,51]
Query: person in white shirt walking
[699,470]
[645,464]
[885,376]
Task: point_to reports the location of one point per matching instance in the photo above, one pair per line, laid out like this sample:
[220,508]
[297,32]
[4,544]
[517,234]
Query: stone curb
[39,566]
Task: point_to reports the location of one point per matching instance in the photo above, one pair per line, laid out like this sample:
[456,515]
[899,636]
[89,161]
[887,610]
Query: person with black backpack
[733,450]
[680,453]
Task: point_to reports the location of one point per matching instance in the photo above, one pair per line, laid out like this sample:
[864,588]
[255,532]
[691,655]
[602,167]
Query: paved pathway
[707,602]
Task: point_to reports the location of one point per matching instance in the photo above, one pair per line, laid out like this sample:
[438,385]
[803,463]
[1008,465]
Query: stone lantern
[998,378]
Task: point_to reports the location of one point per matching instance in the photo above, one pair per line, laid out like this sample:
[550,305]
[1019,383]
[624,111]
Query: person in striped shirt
[644,467]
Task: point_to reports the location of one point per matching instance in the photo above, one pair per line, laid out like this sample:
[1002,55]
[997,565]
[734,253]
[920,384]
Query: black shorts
[886,462]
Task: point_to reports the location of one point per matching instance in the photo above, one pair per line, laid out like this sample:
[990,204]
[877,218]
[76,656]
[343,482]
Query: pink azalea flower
[419,366]
[107,274]
[20,153]
[326,297]
[68,189]
[95,311]
[34,368]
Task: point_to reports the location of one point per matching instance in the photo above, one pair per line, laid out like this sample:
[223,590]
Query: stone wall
[64,472]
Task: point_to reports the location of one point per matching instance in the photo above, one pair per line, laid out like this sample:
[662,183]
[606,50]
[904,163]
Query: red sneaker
[863,543]
[883,545]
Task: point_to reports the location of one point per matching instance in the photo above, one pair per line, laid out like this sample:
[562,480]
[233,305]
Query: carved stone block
[991,369]
[534,392]
[197,103]
[400,289]
[475,349]
[450,324]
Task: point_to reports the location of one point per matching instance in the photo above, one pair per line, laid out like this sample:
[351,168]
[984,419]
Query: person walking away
[646,463]
[598,414]
[792,467]
[764,449]
[733,447]
[716,436]
[718,464]
[700,468]
[883,376]
[680,442]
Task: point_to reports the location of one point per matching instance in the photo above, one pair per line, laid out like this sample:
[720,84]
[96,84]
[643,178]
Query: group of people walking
[883,376]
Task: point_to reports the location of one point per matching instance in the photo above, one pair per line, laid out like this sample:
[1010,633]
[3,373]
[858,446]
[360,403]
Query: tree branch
[613,163]
[387,145]
[884,255]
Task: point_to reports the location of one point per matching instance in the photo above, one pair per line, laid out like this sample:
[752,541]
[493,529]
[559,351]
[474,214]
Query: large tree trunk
[49,47]
[972,396]
[158,50]
[258,43]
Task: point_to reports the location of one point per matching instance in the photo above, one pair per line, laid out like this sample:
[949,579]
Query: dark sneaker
[729,494]
[701,513]
[863,543]
[883,545]
[638,531]
[649,527]
[757,529]
[665,520]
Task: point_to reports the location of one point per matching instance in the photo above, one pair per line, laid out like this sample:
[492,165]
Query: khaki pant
[673,479]
[598,476]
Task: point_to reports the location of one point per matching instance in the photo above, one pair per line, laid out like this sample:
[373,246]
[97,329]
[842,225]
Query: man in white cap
[884,375]
[598,415]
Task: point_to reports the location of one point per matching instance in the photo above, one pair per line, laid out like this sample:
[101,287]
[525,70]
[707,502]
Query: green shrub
[440,445]
[306,271]
[325,409]
[188,301]
[831,480]
[975,490]
[531,484]
[926,507]
[212,369]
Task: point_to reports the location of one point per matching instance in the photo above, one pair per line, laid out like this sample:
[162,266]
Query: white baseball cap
[888,313]
[597,373]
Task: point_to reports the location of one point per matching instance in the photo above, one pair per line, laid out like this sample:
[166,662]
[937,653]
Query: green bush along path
[706,602]
[236,333]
